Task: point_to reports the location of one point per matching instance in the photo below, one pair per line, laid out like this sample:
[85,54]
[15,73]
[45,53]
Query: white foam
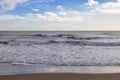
[58,53]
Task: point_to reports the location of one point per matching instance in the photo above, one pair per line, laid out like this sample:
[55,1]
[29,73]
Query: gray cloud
[10,4]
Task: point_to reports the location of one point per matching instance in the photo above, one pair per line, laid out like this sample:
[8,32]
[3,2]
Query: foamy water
[60,48]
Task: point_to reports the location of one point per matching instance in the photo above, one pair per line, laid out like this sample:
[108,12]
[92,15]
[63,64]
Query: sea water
[64,50]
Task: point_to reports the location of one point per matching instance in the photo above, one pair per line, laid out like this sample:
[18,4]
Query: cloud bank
[105,8]
[61,15]
[99,14]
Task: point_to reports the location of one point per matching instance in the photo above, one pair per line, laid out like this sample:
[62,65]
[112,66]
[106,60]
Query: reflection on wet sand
[8,69]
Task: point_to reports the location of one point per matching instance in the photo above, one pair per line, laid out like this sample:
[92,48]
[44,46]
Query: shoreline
[9,69]
[61,76]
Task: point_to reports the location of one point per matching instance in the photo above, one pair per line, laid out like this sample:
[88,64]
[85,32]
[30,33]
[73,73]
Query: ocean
[60,51]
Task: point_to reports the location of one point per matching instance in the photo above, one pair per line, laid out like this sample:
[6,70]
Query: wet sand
[13,69]
[61,76]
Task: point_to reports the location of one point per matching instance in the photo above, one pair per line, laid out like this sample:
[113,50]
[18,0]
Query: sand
[61,76]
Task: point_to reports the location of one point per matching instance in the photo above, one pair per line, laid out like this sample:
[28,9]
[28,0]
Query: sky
[45,15]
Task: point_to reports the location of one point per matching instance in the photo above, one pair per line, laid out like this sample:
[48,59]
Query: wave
[78,43]
[61,50]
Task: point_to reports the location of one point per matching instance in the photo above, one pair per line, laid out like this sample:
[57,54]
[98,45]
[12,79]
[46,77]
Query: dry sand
[61,76]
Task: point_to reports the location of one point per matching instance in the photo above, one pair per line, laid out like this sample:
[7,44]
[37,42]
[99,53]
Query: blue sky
[59,14]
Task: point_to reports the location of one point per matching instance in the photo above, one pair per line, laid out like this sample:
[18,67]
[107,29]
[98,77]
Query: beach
[38,72]
[59,40]
[62,76]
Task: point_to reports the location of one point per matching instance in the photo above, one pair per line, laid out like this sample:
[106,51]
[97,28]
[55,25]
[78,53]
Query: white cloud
[37,1]
[101,16]
[51,16]
[61,15]
[60,7]
[10,17]
[92,3]
[68,15]
[118,0]
[107,8]
[36,10]
[10,4]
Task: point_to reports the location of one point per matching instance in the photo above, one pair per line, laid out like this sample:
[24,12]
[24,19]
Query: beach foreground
[61,76]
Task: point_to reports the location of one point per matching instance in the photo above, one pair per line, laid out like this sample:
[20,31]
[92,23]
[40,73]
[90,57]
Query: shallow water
[8,69]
